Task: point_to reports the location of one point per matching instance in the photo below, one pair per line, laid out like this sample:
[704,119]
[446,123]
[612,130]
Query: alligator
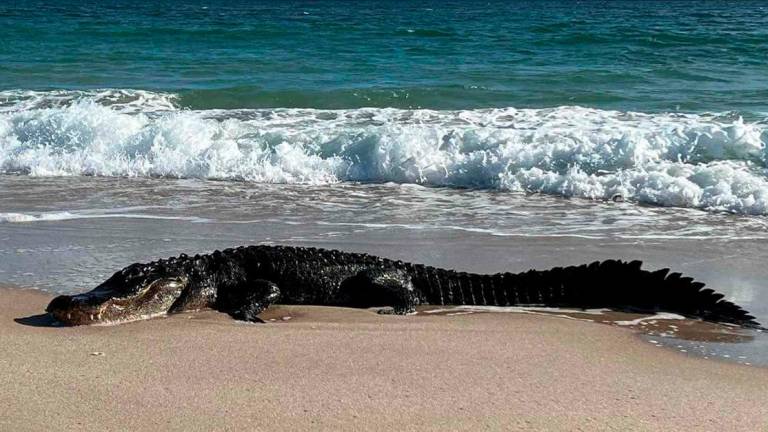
[243,282]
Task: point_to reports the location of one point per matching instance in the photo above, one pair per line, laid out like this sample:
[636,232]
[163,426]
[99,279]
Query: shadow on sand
[41,320]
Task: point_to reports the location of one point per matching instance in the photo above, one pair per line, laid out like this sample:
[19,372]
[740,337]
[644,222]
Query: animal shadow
[40,320]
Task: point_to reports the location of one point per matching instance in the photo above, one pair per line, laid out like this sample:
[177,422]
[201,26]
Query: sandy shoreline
[332,369]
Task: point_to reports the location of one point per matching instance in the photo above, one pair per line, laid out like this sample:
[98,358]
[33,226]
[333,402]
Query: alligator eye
[164,285]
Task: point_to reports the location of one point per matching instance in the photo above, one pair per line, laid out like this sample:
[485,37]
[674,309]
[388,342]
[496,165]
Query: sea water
[660,103]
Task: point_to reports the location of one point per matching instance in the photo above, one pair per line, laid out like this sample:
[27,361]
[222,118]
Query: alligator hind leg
[245,301]
[371,288]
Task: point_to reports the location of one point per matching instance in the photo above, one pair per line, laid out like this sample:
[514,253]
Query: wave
[122,100]
[707,161]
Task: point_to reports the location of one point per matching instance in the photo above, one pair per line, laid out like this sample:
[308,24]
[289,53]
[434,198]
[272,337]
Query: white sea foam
[23,217]
[87,214]
[713,162]
[123,100]
[651,319]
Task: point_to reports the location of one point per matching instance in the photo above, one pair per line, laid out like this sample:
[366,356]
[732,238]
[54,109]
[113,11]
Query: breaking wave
[707,161]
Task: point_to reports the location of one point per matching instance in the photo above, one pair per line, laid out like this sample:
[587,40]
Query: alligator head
[138,291]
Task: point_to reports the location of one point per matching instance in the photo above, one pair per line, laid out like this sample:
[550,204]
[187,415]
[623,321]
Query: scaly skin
[246,280]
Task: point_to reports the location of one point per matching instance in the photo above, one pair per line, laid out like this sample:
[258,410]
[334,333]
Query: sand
[343,369]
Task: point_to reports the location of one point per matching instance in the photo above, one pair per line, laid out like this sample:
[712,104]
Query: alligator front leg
[246,300]
[371,288]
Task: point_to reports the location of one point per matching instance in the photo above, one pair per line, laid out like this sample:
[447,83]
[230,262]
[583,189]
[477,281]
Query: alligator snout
[119,300]
[74,310]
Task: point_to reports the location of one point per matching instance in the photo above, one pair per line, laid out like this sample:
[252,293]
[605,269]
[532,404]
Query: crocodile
[244,281]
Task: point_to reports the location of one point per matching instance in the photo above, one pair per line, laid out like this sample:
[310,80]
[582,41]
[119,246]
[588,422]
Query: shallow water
[69,234]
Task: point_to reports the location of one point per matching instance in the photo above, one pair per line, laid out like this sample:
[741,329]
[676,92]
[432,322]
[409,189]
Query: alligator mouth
[76,310]
[106,305]
[72,311]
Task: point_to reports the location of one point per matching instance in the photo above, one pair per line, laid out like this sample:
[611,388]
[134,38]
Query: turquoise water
[660,103]
[645,56]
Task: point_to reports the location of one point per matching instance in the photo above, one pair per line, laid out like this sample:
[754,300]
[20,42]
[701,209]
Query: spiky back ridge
[624,286]
[611,284]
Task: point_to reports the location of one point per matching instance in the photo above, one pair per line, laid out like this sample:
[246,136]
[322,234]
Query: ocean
[487,136]
[660,103]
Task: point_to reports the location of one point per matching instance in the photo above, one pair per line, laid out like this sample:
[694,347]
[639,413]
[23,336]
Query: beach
[480,137]
[345,369]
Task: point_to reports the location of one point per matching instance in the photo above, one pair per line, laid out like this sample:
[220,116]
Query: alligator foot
[371,288]
[246,301]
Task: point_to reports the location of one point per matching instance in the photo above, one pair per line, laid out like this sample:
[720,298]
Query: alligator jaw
[74,310]
[105,305]
[61,310]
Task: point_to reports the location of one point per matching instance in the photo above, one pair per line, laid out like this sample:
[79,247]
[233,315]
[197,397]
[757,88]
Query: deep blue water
[649,56]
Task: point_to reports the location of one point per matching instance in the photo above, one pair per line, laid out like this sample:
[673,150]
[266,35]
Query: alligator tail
[609,284]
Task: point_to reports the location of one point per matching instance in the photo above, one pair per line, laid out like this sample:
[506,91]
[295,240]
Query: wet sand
[342,369]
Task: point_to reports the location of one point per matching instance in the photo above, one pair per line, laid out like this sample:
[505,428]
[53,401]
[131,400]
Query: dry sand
[341,369]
